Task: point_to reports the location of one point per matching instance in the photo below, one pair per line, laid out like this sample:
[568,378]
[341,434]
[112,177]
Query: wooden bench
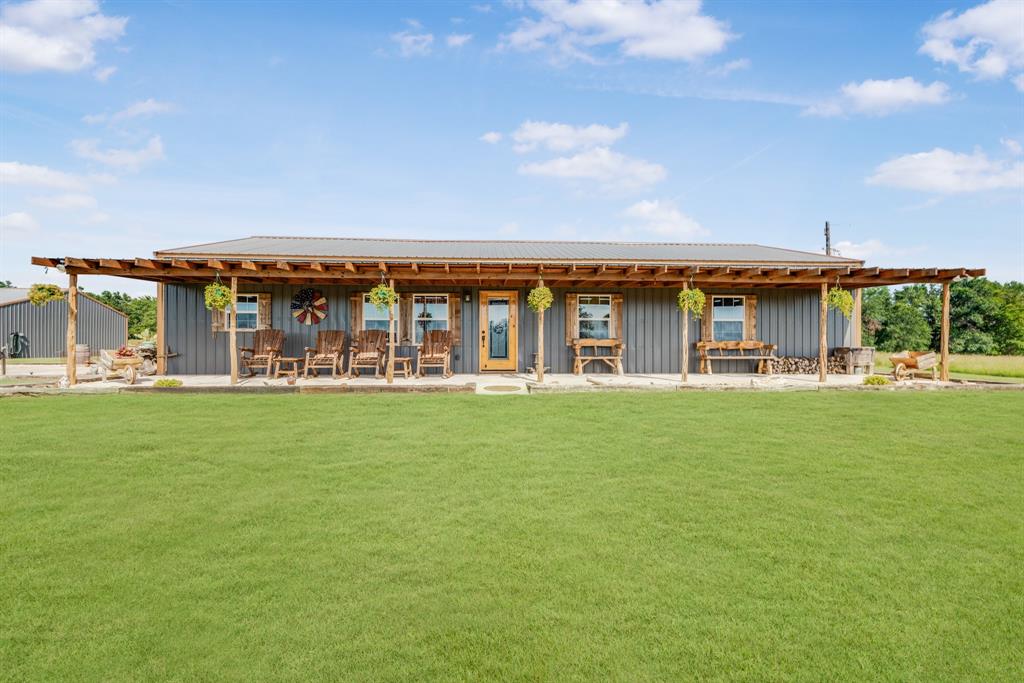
[751,349]
[612,359]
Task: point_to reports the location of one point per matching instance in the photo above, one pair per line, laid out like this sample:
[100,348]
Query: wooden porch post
[823,334]
[233,330]
[944,343]
[161,351]
[858,303]
[685,340]
[391,339]
[72,338]
[540,339]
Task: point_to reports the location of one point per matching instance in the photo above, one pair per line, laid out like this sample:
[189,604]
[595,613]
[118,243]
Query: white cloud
[19,221]
[943,171]
[483,9]
[986,41]
[16,173]
[600,164]
[1012,146]
[727,68]
[103,75]
[143,108]
[42,35]
[65,201]
[561,137]
[662,218]
[128,159]
[491,137]
[662,29]
[1018,82]
[458,39]
[879,98]
[412,44]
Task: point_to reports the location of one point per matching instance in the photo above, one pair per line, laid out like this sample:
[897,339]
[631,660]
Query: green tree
[974,314]
[141,311]
[5,283]
[1009,330]
[905,328]
[875,305]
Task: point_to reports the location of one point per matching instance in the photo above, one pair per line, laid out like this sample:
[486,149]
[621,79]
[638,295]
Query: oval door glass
[497,329]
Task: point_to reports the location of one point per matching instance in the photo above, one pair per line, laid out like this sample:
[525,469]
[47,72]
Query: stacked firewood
[795,365]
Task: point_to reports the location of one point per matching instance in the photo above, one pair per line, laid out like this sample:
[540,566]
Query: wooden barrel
[81,354]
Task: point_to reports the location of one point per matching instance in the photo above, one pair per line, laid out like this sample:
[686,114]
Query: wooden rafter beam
[250,265]
[181,263]
[111,263]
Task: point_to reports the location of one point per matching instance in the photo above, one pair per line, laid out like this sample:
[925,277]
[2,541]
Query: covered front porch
[780,307]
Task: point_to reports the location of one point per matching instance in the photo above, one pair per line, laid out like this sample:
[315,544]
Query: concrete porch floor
[487,384]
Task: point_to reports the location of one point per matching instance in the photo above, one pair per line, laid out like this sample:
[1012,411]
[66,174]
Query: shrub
[167,382]
[876,380]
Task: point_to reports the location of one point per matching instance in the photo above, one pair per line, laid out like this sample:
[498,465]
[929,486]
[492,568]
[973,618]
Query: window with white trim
[430,312]
[376,319]
[247,312]
[727,316]
[594,316]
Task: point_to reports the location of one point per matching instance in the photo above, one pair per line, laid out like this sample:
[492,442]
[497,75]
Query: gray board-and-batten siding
[785,317]
[45,327]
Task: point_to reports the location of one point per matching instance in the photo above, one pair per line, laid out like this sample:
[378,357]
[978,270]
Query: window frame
[743,318]
[416,318]
[398,316]
[611,314]
[256,301]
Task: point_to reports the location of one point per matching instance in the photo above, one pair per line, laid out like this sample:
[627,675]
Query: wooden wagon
[129,367]
[908,363]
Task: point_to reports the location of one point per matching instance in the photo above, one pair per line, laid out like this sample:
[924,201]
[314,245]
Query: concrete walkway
[483,384]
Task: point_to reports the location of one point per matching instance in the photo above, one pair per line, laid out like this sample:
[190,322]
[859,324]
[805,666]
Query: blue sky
[128,127]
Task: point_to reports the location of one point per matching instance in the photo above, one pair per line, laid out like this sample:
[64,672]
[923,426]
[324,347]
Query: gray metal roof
[9,294]
[354,248]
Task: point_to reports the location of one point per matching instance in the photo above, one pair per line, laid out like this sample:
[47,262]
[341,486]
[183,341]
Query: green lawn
[764,536]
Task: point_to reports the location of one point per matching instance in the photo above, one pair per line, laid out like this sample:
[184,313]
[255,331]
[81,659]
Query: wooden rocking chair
[435,352]
[266,347]
[328,353]
[368,350]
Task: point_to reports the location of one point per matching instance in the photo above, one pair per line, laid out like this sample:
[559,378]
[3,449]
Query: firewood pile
[795,365]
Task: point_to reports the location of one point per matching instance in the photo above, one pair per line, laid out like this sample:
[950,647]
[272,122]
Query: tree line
[985,317]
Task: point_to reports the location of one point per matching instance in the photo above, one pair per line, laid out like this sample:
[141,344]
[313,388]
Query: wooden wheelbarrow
[906,364]
[129,367]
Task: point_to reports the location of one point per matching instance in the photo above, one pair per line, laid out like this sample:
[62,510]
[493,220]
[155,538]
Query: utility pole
[828,239]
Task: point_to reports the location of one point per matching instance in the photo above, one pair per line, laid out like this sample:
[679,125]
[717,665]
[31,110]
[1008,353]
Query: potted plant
[217,296]
[689,300]
[383,297]
[42,294]
[841,300]
[539,300]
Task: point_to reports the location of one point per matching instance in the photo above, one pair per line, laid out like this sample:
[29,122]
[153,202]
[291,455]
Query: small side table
[286,361]
[403,364]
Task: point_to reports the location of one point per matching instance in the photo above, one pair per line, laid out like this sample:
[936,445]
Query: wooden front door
[499,331]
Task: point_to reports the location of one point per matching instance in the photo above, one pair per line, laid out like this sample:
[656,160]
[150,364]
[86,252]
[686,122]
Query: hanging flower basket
[40,294]
[540,299]
[691,300]
[383,297]
[841,300]
[217,296]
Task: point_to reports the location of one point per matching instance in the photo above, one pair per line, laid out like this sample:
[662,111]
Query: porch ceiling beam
[283,265]
[45,261]
[181,263]
[111,263]
[214,263]
[316,266]
[383,267]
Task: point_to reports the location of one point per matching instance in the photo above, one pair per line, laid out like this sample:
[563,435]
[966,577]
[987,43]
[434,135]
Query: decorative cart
[908,363]
[127,363]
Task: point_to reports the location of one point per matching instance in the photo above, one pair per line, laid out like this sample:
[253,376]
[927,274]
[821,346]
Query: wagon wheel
[900,372]
[129,374]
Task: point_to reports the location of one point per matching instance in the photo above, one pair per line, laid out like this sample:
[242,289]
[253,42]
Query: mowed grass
[753,536]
